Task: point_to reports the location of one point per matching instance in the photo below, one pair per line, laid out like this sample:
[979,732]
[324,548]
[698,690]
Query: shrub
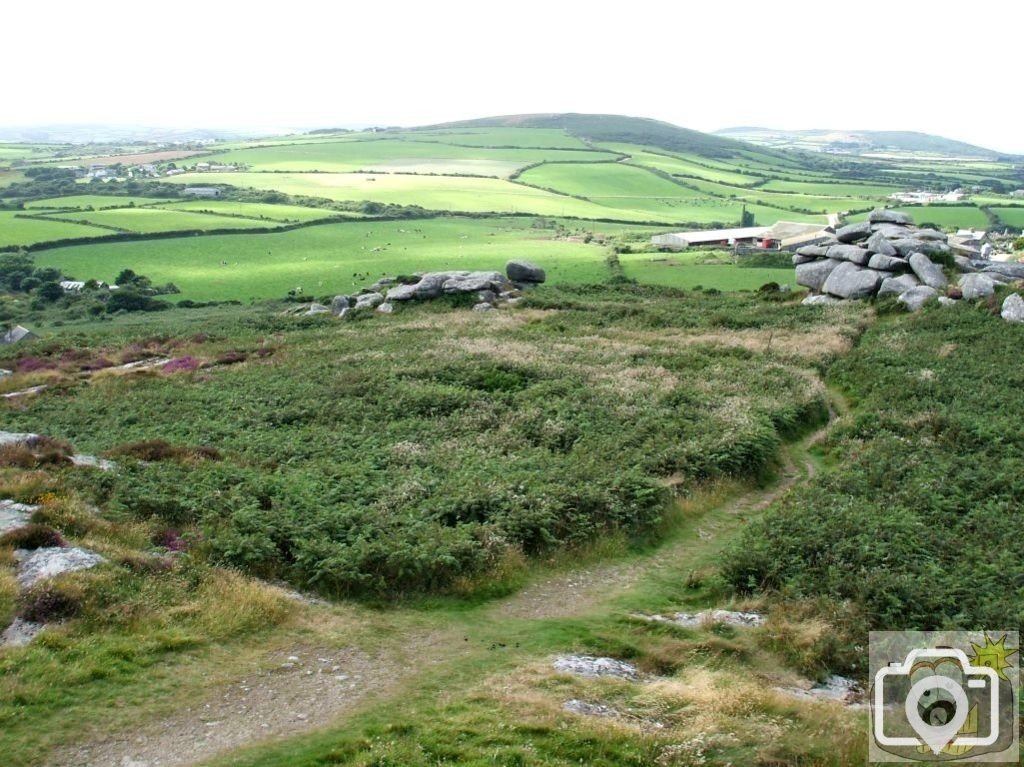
[49,602]
[162,450]
[33,536]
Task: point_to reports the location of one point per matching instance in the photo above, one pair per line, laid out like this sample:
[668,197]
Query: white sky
[938,67]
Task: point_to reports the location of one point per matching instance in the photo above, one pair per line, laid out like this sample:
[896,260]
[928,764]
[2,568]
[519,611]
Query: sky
[936,67]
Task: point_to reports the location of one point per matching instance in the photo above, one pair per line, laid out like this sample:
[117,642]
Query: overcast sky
[952,69]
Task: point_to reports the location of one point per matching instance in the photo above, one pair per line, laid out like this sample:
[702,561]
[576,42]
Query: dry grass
[232,604]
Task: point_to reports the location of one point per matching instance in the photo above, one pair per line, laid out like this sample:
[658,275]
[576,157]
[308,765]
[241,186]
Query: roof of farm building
[779,231]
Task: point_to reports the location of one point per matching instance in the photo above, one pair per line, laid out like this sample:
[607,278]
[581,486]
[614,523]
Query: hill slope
[856,141]
[615,128]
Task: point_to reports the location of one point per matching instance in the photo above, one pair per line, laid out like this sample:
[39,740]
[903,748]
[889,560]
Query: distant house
[202,191]
[72,286]
[202,166]
[17,333]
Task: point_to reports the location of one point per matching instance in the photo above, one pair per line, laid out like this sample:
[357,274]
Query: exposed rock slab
[837,689]
[820,300]
[895,286]
[589,709]
[854,232]
[590,666]
[14,514]
[878,243]
[52,561]
[20,633]
[710,617]
[524,271]
[851,253]
[888,263]
[884,216]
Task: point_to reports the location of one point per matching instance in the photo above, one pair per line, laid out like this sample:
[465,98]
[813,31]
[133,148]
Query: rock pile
[589,666]
[492,289]
[888,256]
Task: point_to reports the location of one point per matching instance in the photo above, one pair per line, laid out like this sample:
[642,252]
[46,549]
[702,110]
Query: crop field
[392,155]
[26,231]
[94,201]
[258,210]
[325,260]
[150,220]
[456,194]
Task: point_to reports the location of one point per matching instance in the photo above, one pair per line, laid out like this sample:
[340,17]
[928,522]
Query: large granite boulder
[917,297]
[1013,271]
[894,231]
[813,275]
[851,281]
[850,253]
[524,271]
[369,300]
[879,243]
[1013,308]
[402,293]
[975,286]
[927,271]
[815,251]
[339,303]
[854,232]
[931,234]
[884,216]
[474,282]
[896,286]
[887,263]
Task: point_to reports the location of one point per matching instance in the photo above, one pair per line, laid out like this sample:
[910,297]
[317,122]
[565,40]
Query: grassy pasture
[457,194]
[398,155]
[26,231]
[258,210]
[94,201]
[960,216]
[678,166]
[676,272]
[8,177]
[1011,216]
[324,259]
[830,188]
[150,220]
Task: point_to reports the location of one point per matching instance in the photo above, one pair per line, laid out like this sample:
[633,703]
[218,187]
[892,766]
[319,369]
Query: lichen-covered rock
[854,232]
[815,251]
[915,298]
[975,286]
[1013,308]
[474,282]
[524,271]
[851,281]
[589,666]
[369,300]
[928,271]
[820,300]
[402,293]
[385,308]
[52,561]
[798,259]
[884,216]
[887,263]
[14,514]
[851,253]
[483,307]
[896,286]
[931,234]
[813,275]
[338,303]
[879,243]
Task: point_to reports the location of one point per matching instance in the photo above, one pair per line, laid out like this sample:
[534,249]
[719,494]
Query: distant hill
[857,141]
[75,133]
[614,128]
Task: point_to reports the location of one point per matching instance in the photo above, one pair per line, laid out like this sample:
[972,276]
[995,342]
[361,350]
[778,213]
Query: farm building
[782,234]
[17,333]
[202,191]
[72,286]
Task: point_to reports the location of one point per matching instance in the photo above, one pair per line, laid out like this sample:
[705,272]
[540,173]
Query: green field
[831,188]
[258,210]
[678,273]
[324,259]
[8,177]
[959,216]
[1011,216]
[679,166]
[464,195]
[26,231]
[150,220]
[94,201]
[393,155]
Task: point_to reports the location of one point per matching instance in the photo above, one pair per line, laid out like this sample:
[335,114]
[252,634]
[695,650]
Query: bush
[49,602]
[33,536]
[162,450]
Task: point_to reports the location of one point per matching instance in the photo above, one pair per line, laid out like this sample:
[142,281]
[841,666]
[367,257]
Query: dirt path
[288,692]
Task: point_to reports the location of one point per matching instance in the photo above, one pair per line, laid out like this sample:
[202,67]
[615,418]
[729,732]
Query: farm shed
[202,191]
[683,240]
